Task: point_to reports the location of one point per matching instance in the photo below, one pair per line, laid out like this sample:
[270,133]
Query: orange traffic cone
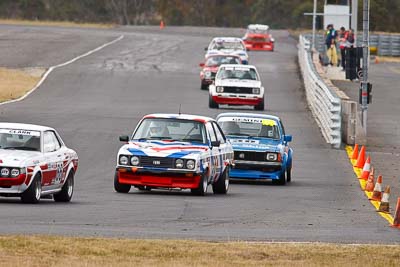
[162,25]
[369,187]
[384,206]
[377,193]
[354,155]
[366,169]
[396,221]
[361,158]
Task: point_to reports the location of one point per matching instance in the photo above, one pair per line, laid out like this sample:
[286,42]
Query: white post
[354,16]
[314,24]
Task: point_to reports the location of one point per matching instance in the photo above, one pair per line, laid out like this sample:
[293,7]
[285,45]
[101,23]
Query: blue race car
[260,146]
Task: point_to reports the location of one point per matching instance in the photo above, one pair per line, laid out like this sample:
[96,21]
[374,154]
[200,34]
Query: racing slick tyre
[289,173]
[211,102]
[32,194]
[120,188]
[259,106]
[222,185]
[202,189]
[281,180]
[67,190]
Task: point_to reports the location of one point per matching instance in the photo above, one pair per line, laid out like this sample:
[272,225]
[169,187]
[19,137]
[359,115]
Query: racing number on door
[59,173]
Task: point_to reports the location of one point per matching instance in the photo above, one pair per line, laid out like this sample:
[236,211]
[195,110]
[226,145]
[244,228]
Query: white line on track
[59,66]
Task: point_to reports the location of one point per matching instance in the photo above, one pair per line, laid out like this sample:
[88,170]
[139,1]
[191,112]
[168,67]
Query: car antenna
[179,109]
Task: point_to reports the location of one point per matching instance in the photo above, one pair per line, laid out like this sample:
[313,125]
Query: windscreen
[18,139]
[219,60]
[171,129]
[254,127]
[237,73]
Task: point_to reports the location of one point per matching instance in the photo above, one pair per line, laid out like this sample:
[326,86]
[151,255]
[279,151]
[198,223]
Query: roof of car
[239,66]
[227,39]
[180,116]
[258,27]
[223,55]
[24,126]
[248,115]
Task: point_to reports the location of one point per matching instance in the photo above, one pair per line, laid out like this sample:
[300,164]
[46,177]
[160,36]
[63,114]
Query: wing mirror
[287,138]
[205,48]
[124,138]
[215,143]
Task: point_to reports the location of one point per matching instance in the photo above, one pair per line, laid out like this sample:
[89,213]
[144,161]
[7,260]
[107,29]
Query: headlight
[134,160]
[207,74]
[220,89]
[179,163]
[272,40]
[256,91]
[271,156]
[190,164]
[15,172]
[5,172]
[123,160]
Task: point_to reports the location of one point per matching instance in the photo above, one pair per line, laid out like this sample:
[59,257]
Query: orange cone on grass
[354,155]
[369,187]
[377,193]
[366,169]
[384,205]
[396,221]
[361,158]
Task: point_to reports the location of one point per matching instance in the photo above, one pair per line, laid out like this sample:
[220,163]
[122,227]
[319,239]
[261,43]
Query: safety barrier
[324,104]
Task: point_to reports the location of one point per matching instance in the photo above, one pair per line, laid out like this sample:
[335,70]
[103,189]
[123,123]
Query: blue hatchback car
[260,145]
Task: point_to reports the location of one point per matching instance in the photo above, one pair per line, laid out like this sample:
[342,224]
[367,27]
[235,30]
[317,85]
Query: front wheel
[32,194]
[222,184]
[120,188]
[281,180]
[67,190]
[202,189]
[203,86]
[260,106]
[289,173]
[212,103]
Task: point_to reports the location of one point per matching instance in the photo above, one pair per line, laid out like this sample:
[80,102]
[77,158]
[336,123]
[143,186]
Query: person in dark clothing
[342,45]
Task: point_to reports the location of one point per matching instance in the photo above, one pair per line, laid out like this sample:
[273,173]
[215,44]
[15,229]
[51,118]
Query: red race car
[211,65]
[258,37]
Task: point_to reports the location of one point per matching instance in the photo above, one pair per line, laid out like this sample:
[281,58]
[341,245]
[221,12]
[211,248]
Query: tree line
[385,14]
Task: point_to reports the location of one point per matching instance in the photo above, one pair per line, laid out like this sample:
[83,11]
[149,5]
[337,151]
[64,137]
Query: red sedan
[258,37]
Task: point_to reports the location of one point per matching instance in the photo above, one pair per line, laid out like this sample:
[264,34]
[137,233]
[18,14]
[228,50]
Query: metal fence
[324,104]
[386,44]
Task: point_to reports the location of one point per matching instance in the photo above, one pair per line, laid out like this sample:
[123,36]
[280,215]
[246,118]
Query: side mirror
[205,48]
[124,138]
[202,65]
[287,138]
[215,143]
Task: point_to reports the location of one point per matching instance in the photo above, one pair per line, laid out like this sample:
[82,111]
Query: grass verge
[70,251]
[16,83]
[55,23]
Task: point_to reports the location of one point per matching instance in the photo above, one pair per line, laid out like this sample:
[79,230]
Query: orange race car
[258,37]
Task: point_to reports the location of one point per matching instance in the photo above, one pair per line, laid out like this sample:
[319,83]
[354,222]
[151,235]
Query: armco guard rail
[324,104]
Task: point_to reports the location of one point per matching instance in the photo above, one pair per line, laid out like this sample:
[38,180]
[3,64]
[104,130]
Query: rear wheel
[67,190]
[120,188]
[32,194]
[289,173]
[222,185]
[260,106]
[212,103]
[202,189]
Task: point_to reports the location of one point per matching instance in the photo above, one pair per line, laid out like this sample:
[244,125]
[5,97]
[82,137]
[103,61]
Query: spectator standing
[330,42]
[342,46]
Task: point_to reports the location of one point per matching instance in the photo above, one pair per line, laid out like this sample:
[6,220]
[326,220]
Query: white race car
[34,162]
[237,85]
[228,45]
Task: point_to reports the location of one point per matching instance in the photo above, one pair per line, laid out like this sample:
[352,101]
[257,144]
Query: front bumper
[164,179]
[14,185]
[237,99]
[256,170]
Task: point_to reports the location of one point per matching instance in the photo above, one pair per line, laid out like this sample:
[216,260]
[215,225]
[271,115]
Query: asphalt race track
[97,98]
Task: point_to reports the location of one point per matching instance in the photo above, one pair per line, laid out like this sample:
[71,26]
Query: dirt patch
[55,23]
[15,83]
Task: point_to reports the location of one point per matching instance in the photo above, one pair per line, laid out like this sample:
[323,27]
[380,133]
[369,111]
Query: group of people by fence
[338,41]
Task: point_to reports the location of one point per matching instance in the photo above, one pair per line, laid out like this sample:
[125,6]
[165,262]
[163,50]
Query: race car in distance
[174,151]
[229,46]
[237,85]
[260,146]
[258,37]
[35,163]
[211,65]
